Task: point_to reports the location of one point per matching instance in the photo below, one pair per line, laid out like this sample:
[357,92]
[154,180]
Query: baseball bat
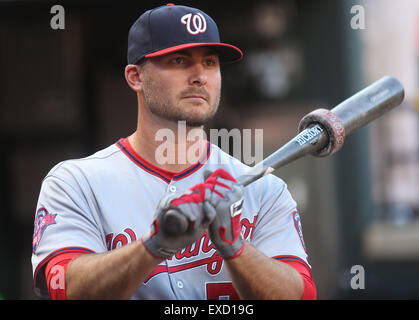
[321,133]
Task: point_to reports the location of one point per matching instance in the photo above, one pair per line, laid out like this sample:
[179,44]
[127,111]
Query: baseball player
[99,231]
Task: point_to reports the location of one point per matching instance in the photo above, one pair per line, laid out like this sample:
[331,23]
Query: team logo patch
[194,23]
[298,227]
[43,219]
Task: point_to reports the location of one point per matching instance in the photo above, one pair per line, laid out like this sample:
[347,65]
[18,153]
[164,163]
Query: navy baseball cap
[172,28]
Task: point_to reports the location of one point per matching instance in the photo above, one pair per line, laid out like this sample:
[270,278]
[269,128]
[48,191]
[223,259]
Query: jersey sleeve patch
[298,227]
[43,219]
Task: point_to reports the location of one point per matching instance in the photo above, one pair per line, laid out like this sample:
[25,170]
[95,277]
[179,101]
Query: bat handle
[174,223]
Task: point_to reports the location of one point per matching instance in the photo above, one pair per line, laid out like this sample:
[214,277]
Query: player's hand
[225,202]
[189,204]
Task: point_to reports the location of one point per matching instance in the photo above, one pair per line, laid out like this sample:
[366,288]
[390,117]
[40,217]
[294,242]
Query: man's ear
[133,77]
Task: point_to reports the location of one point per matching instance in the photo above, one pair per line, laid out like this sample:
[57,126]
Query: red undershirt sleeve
[55,274]
[309,286]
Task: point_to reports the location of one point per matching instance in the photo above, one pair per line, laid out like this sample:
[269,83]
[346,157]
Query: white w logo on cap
[198,22]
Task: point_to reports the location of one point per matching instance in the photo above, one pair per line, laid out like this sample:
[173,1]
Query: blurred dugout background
[63,95]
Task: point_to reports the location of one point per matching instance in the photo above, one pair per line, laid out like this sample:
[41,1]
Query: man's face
[185,85]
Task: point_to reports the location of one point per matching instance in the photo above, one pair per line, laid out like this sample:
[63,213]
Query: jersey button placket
[177,285]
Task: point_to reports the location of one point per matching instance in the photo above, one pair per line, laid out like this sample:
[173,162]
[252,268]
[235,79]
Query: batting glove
[225,202]
[161,243]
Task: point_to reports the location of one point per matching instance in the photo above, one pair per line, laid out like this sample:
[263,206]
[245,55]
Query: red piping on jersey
[165,175]
[292,258]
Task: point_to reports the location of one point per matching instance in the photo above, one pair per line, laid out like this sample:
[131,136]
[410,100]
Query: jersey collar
[165,175]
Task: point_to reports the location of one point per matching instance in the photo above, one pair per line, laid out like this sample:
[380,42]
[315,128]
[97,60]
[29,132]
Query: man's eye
[210,62]
[178,60]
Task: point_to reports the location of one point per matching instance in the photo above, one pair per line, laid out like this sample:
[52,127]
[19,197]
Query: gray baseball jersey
[107,200]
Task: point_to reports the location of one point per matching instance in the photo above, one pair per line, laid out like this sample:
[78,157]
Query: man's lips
[195,97]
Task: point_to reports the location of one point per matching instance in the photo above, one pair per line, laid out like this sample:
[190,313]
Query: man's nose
[198,76]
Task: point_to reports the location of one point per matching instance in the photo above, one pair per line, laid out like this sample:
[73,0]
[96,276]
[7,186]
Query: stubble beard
[162,106]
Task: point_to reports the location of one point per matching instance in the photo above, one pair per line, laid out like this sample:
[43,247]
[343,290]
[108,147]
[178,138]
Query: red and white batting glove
[225,202]
[189,204]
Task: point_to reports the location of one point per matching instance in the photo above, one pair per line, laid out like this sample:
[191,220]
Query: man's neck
[168,145]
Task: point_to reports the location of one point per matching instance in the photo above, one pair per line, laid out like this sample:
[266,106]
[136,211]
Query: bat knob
[330,122]
[174,223]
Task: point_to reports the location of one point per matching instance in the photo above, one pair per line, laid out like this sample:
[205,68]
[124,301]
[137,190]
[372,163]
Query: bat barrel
[354,113]
[369,103]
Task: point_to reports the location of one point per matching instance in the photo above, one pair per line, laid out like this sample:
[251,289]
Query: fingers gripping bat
[322,132]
